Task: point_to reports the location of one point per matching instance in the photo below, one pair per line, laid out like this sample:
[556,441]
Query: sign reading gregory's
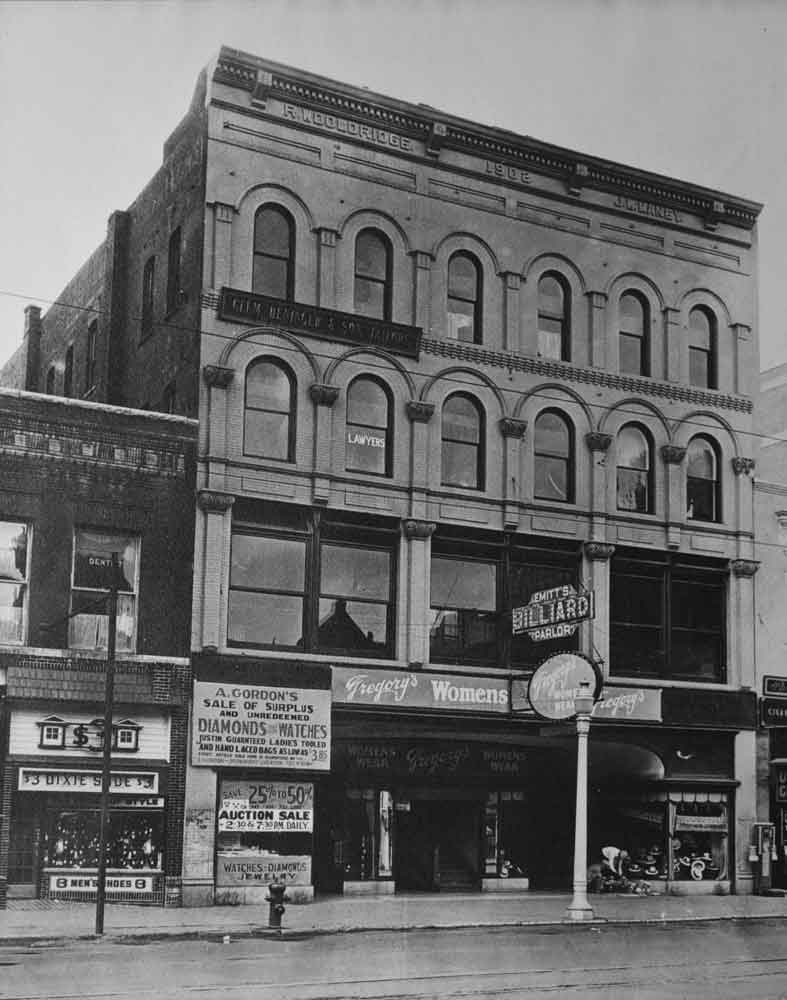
[400,688]
[249,725]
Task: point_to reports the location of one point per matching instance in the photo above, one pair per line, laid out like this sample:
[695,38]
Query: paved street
[728,961]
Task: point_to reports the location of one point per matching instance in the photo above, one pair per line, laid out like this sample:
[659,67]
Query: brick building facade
[80,482]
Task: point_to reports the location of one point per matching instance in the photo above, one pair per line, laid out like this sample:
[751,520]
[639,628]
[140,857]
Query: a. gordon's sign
[403,689]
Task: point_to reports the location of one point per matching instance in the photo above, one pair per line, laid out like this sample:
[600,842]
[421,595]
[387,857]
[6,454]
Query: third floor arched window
[463,442]
[703,486]
[373,274]
[634,469]
[464,298]
[634,347]
[274,253]
[553,318]
[553,457]
[702,349]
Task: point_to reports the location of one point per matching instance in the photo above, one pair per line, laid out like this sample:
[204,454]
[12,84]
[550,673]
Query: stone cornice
[437,130]
[510,427]
[672,454]
[744,567]
[596,441]
[217,377]
[599,551]
[566,372]
[743,466]
[418,411]
[412,528]
[214,501]
[322,394]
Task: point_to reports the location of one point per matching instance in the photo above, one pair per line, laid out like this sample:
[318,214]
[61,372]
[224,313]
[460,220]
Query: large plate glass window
[14,563]
[464,610]
[91,581]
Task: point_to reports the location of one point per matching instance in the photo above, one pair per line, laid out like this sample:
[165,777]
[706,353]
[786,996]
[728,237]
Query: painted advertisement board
[233,869]
[406,689]
[266,806]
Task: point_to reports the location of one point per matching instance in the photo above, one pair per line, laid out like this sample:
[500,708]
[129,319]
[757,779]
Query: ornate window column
[741,630]
[672,457]
[326,267]
[414,601]
[419,413]
[211,552]
[594,634]
[422,268]
[598,329]
[222,244]
[512,282]
[743,469]
[214,429]
[513,432]
[323,397]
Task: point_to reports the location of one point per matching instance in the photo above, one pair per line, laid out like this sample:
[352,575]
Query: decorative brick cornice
[596,441]
[217,377]
[418,411]
[564,371]
[743,466]
[510,427]
[672,454]
[744,567]
[412,528]
[322,394]
[599,551]
[215,502]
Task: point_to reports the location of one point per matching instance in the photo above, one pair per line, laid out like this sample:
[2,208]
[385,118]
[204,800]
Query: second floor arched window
[702,349]
[553,449]
[373,274]
[703,487]
[553,318]
[634,470]
[269,416]
[633,346]
[368,447]
[274,253]
[463,442]
[464,298]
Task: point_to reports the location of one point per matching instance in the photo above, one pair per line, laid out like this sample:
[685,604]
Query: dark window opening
[148,287]
[702,349]
[373,275]
[553,458]
[463,458]
[554,318]
[274,253]
[633,337]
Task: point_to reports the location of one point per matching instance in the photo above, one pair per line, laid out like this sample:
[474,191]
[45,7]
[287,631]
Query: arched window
[274,253]
[703,486]
[554,299]
[464,298]
[463,442]
[634,354]
[702,349]
[269,418]
[634,466]
[369,436]
[373,274]
[553,457]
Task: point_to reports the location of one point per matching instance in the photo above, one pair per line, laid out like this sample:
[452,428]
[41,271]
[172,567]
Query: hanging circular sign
[556,683]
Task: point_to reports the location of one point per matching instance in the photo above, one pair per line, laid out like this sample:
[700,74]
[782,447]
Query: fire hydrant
[276,901]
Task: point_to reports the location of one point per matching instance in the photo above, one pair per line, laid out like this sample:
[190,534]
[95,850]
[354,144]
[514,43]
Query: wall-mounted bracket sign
[775,686]
[553,614]
[329,324]
[773,711]
[557,682]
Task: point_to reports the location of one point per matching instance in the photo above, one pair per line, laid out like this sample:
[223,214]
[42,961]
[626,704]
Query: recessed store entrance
[438,845]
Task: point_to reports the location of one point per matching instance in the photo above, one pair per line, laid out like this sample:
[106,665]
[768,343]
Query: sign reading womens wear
[558,681]
[247,725]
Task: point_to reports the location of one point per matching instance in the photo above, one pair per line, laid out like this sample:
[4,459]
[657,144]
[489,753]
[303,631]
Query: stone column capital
[213,501]
[744,567]
[412,528]
[599,551]
[322,394]
[418,411]
[510,427]
[217,377]
[327,237]
[423,259]
[224,213]
[597,441]
[743,466]
[597,299]
[672,454]
[512,279]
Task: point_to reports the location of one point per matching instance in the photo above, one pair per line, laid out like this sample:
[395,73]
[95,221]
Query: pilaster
[675,491]
[419,414]
[596,558]
[416,558]
[743,470]
[513,432]
[222,244]
[742,625]
[512,282]
[217,510]
[326,267]
[598,444]
[677,355]
[597,323]
[422,266]
[323,396]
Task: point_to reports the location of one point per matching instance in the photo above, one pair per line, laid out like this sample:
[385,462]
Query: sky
[694,89]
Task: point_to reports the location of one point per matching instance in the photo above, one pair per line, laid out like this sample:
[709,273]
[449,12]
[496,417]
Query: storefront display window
[135,840]
[699,837]
[505,835]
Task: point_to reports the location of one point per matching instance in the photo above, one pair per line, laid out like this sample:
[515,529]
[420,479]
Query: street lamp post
[580,908]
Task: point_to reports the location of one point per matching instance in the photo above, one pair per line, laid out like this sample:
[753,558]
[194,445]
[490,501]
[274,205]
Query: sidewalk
[28,921]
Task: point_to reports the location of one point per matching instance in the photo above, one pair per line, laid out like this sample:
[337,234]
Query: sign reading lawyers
[245,725]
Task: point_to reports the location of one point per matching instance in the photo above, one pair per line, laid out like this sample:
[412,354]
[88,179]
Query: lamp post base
[579,909]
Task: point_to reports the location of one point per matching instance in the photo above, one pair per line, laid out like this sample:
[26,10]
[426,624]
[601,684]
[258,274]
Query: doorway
[438,846]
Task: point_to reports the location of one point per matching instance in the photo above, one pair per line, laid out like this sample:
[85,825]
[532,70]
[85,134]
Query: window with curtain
[373,275]
[634,356]
[269,414]
[703,486]
[463,442]
[702,349]
[91,581]
[274,253]
[14,578]
[553,457]
[634,470]
[369,437]
[464,298]
[553,318]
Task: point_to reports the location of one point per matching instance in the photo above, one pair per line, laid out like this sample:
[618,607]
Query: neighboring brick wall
[6,790]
